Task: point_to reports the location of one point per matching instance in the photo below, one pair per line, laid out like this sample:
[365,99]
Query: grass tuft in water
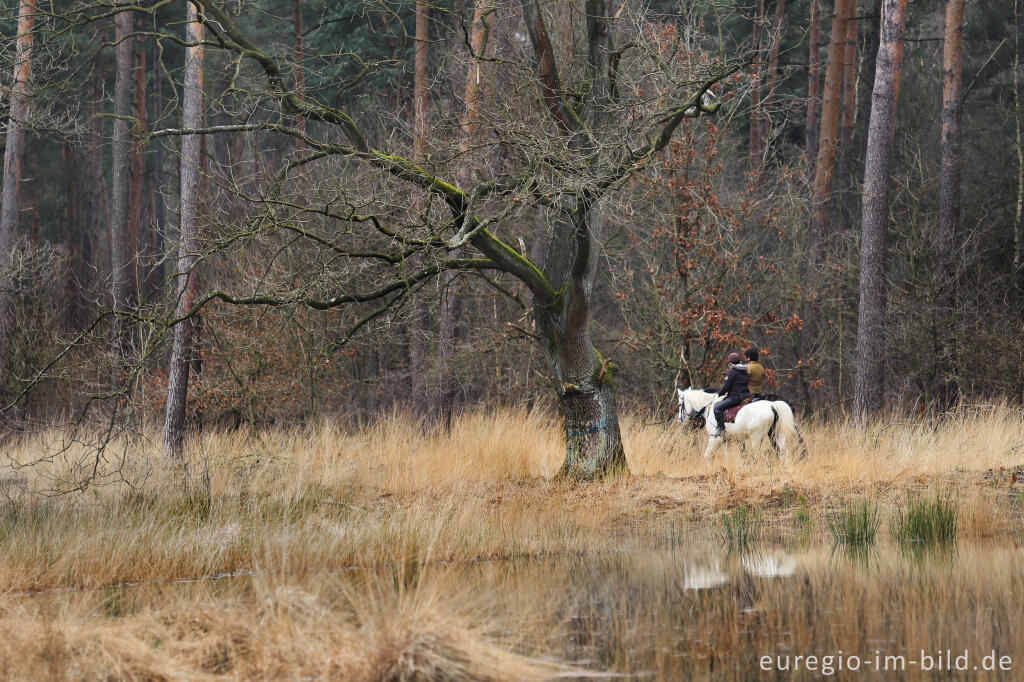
[855,525]
[927,521]
[741,527]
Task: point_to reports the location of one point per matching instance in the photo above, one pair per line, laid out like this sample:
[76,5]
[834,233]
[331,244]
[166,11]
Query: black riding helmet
[752,354]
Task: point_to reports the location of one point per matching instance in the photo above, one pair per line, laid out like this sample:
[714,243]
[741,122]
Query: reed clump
[855,525]
[928,521]
[740,527]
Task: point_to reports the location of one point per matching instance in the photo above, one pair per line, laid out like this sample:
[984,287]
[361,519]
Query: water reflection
[700,611]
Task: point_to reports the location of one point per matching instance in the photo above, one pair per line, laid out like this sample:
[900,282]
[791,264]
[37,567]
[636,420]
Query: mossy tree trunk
[583,378]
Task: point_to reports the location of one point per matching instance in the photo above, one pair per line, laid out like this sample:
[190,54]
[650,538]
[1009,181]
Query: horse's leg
[712,444]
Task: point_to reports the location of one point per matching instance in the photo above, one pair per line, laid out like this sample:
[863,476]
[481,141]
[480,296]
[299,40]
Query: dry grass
[295,509]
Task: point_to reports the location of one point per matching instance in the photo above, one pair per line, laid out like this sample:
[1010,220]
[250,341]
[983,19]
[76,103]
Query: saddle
[730,414]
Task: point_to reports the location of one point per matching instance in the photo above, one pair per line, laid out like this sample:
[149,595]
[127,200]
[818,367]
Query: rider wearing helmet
[736,389]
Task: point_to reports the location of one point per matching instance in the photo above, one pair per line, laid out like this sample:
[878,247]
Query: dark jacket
[756,371]
[737,382]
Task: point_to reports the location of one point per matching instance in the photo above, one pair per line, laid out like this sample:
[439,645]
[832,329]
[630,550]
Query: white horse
[761,418]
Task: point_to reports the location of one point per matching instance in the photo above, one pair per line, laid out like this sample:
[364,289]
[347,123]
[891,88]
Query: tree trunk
[773,73]
[136,194]
[451,303]
[952,114]
[848,119]
[121,169]
[813,84]
[300,73]
[19,112]
[824,167]
[949,190]
[185,277]
[583,379]
[1018,223]
[756,143]
[155,271]
[418,354]
[869,384]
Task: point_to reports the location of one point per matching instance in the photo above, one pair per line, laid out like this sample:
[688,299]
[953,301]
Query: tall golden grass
[292,511]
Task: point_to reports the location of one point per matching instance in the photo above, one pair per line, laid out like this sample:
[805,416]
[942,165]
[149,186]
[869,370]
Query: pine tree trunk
[121,169]
[869,382]
[155,273]
[952,114]
[949,192]
[419,365]
[773,73]
[756,143]
[813,85]
[824,168]
[185,276]
[848,119]
[136,193]
[1018,223]
[13,152]
[300,72]
[451,303]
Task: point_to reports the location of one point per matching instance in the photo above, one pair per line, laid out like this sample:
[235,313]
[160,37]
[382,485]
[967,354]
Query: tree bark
[1018,223]
[583,379]
[949,186]
[773,73]
[869,384]
[952,114]
[824,168]
[418,347]
[300,73]
[756,143]
[136,193]
[185,275]
[813,84]
[13,151]
[848,119]
[121,169]
[155,273]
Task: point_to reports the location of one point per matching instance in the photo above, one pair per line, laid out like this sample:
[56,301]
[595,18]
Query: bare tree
[188,247]
[565,159]
[869,387]
[13,151]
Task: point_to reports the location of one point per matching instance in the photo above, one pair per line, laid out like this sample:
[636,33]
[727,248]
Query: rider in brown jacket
[756,372]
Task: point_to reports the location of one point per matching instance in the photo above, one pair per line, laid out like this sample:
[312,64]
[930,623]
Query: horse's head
[692,404]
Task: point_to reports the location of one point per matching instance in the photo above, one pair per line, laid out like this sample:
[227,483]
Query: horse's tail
[775,423]
[783,425]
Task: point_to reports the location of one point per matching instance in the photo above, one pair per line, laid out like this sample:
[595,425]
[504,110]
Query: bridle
[697,418]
